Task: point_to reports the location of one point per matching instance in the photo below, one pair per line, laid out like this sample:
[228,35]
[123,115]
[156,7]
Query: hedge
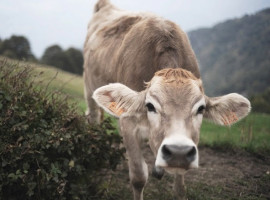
[47,149]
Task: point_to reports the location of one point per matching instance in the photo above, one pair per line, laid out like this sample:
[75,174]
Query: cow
[141,69]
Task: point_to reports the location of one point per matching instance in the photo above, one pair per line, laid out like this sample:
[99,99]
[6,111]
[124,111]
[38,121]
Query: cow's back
[129,48]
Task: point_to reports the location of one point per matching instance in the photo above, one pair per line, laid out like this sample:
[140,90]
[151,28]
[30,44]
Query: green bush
[47,150]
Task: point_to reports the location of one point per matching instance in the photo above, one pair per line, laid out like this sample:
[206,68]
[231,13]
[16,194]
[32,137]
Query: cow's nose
[178,155]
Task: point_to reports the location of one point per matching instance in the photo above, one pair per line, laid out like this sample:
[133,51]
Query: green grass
[252,133]
[65,82]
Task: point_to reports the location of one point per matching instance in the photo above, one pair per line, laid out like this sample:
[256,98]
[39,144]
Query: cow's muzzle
[178,156]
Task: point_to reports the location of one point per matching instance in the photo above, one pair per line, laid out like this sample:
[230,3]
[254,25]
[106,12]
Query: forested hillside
[234,56]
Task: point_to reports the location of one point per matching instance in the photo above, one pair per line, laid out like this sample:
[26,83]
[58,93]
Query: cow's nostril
[166,152]
[175,153]
[191,154]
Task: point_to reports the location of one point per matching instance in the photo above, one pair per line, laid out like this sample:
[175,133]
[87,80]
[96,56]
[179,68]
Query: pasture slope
[56,80]
[234,162]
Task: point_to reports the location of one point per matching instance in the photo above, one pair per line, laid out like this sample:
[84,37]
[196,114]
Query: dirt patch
[232,175]
[222,175]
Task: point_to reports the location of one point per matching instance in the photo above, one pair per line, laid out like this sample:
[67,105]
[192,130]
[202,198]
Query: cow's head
[173,105]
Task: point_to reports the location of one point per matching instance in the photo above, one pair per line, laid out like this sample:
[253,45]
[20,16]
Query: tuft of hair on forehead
[177,75]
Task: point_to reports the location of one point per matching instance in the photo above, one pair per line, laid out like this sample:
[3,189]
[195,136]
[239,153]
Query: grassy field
[56,80]
[252,133]
[67,83]
[230,174]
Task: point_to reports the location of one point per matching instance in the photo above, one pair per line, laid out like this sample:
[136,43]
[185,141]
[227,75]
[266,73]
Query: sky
[64,22]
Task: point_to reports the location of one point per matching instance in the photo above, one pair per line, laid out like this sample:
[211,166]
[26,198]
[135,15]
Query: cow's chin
[172,170]
[179,170]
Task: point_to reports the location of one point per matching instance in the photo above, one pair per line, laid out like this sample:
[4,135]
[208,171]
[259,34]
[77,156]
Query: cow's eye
[200,110]
[150,107]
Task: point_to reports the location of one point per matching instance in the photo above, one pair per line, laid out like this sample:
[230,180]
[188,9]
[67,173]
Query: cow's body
[113,55]
[130,50]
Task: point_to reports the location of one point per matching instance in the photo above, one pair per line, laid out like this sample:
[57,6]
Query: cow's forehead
[171,93]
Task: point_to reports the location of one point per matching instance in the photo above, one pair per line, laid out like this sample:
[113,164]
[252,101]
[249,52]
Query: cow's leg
[138,173]
[179,187]
[93,113]
[138,170]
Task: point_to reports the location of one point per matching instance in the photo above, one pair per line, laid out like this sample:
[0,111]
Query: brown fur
[130,48]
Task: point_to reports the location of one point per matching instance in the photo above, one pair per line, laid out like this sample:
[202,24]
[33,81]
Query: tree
[234,55]
[75,59]
[17,47]
[55,56]
[70,60]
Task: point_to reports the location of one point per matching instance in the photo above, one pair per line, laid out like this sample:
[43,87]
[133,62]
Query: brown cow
[141,69]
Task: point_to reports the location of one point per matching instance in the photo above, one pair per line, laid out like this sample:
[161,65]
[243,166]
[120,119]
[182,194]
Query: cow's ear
[115,98]
[227,109]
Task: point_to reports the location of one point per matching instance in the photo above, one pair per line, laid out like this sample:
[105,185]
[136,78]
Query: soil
[222,175]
